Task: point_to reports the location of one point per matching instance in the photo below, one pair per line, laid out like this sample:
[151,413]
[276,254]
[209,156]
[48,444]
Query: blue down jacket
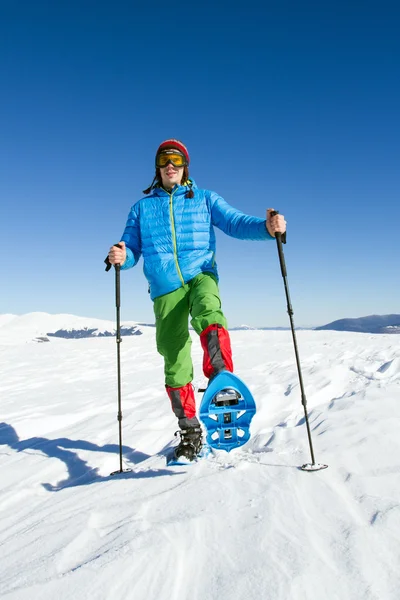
[176,235]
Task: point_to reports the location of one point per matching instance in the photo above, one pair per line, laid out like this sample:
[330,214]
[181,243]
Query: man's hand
[117,256]
[276,224]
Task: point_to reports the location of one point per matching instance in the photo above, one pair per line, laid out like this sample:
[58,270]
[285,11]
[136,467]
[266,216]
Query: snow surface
[244,525]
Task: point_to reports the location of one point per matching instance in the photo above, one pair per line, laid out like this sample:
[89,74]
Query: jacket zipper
[171,212]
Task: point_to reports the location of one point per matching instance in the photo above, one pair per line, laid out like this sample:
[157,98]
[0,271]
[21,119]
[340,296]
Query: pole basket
[313,467]
[121,471]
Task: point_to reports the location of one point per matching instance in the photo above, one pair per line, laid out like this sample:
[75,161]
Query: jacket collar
[177,190]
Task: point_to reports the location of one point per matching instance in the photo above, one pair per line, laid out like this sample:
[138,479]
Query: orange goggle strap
[166,156]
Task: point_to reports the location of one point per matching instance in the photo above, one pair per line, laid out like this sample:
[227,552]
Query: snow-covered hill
[245,525]
[40,326]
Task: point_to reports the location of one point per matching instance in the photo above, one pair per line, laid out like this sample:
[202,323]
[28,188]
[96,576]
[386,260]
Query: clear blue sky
[290,105]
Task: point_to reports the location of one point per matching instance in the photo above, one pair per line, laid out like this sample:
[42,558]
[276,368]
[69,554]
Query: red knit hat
[174,144]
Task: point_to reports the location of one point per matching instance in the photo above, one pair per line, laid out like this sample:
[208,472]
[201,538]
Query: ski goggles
[170,156]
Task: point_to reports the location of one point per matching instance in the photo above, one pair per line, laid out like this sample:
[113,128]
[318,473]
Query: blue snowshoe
[226,410]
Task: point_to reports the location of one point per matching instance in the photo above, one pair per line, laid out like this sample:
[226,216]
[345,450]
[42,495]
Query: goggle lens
[178,160]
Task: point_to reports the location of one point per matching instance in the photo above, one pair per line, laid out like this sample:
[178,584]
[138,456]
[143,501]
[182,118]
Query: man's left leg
[209,322]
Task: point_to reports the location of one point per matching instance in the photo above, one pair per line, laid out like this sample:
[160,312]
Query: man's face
[171,175]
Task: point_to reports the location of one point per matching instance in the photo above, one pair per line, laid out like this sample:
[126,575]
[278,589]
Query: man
[173,228]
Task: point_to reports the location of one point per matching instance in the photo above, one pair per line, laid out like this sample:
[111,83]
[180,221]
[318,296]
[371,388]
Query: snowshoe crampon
[226,410]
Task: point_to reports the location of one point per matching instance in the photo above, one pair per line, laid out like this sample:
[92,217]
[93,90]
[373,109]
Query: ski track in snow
[248,524]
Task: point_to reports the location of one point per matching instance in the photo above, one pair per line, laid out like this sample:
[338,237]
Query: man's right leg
[174,344]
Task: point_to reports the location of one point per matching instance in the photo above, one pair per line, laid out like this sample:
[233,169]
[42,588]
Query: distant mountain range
[370,324]
[42,327]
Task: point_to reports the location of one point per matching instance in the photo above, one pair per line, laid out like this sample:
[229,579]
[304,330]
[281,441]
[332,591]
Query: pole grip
[281,235]
[107,260]
[280,239]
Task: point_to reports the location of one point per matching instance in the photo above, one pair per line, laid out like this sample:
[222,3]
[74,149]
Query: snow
[243,525]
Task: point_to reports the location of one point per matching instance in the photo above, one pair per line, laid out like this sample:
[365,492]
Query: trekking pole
[281,238]
[119,341]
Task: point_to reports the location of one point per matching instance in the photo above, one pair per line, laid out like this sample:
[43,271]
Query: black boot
[191,443]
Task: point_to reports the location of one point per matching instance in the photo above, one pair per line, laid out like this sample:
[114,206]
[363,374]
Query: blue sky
[287,105]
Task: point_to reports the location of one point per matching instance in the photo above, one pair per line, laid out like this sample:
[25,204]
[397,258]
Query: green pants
[200,299]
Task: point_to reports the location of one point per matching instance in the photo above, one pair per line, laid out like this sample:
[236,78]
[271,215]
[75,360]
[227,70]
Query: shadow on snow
[79,471]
